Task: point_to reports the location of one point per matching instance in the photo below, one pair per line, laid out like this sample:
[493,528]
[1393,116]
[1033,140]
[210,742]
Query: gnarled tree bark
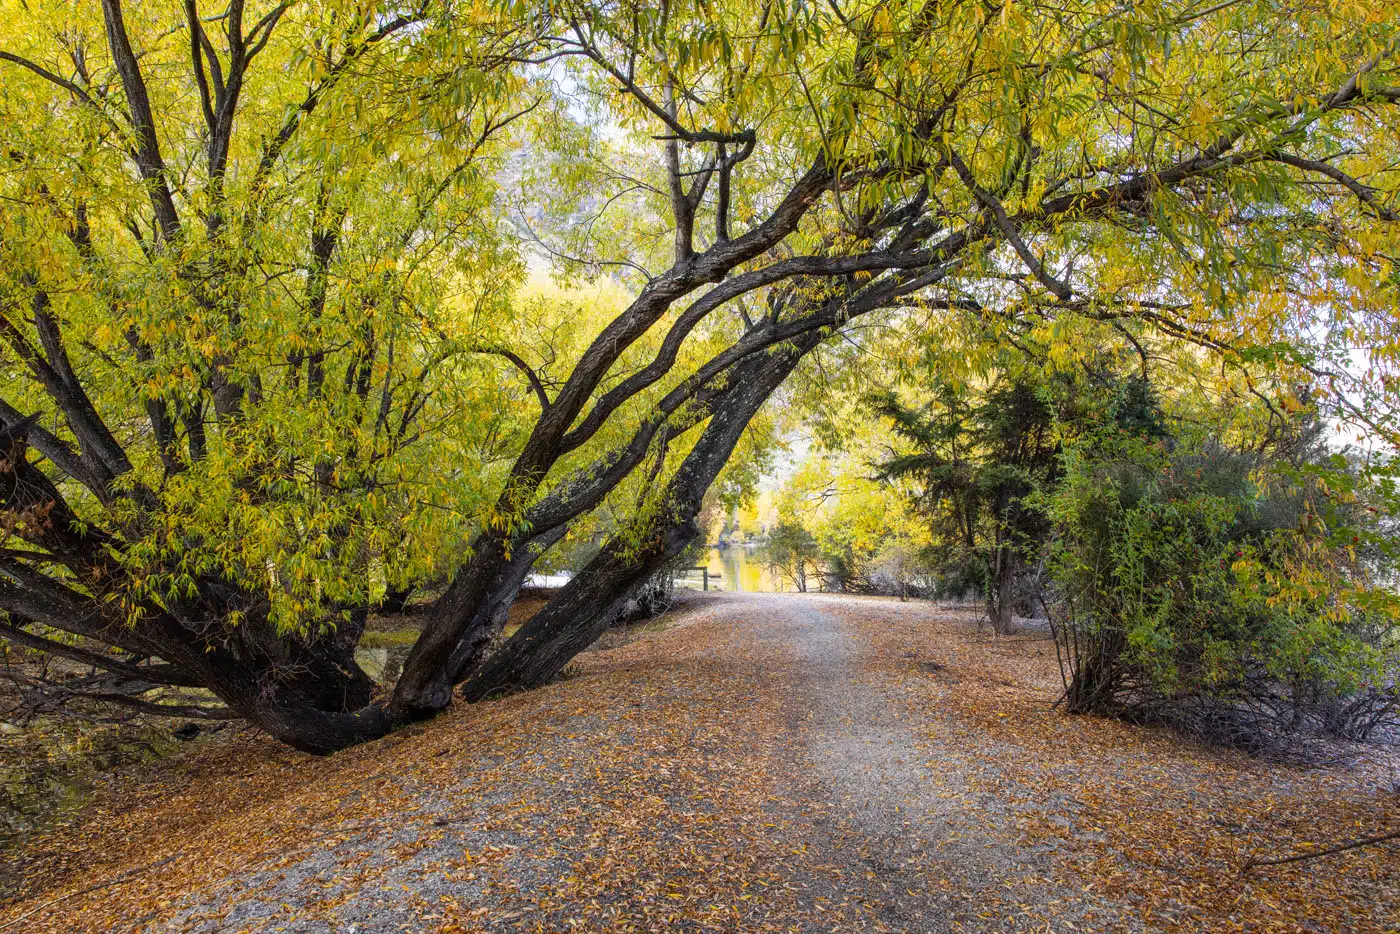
[584,608]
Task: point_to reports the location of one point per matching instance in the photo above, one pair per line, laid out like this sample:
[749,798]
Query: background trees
[1226,569]
[975,461]
[792,554]
[269,349]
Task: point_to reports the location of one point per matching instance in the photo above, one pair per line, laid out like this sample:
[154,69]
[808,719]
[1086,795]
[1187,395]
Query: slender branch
[154,708]
[1253,863]
[1364,193]
[520,364]
[273,148]
[1008,229]
[164,674]
[659,110]
[727,162]
[197,62]
[722,199]
[47,75]
[680,205]
[257,37]
[117,880]
[107,459]
[211,57]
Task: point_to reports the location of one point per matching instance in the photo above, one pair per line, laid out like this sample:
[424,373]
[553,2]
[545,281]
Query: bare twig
[1253,863]
[117,880]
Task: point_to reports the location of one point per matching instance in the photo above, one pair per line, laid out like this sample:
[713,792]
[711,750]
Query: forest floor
[764,763]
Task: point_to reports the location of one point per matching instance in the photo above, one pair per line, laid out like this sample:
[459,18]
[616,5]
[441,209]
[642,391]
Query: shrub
[1193,585]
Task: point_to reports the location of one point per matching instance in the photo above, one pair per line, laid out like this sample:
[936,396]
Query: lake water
[740,570]
[734,569]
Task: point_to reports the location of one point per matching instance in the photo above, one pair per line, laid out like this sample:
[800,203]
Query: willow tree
[260,291]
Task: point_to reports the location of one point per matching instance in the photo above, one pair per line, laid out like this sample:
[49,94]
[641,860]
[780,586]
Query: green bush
[1194,583]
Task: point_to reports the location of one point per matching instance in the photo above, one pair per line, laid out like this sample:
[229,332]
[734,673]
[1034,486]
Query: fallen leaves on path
[667,787]
[1156,822]
[636,796]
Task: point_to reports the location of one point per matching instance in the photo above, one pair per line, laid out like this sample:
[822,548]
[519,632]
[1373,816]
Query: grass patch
[387,638]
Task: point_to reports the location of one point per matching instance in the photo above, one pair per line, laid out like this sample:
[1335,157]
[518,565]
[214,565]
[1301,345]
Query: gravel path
[930,845]
[768,763]
[859,828]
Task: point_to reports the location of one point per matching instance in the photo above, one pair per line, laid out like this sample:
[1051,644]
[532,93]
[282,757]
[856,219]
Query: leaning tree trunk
[575,618]
[584,608]
[495,610]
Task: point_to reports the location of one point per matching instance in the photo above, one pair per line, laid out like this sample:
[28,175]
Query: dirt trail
[768,763]
[929,845]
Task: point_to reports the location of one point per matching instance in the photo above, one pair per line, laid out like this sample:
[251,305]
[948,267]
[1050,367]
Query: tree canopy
[277,336]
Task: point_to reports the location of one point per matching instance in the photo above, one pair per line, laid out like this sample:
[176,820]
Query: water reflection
[740,570]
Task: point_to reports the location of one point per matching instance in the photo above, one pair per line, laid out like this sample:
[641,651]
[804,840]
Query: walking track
[767,763]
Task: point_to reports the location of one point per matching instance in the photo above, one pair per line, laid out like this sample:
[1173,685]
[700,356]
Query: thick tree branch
[58,452]
[31,595]
[730,289]
[147,149]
